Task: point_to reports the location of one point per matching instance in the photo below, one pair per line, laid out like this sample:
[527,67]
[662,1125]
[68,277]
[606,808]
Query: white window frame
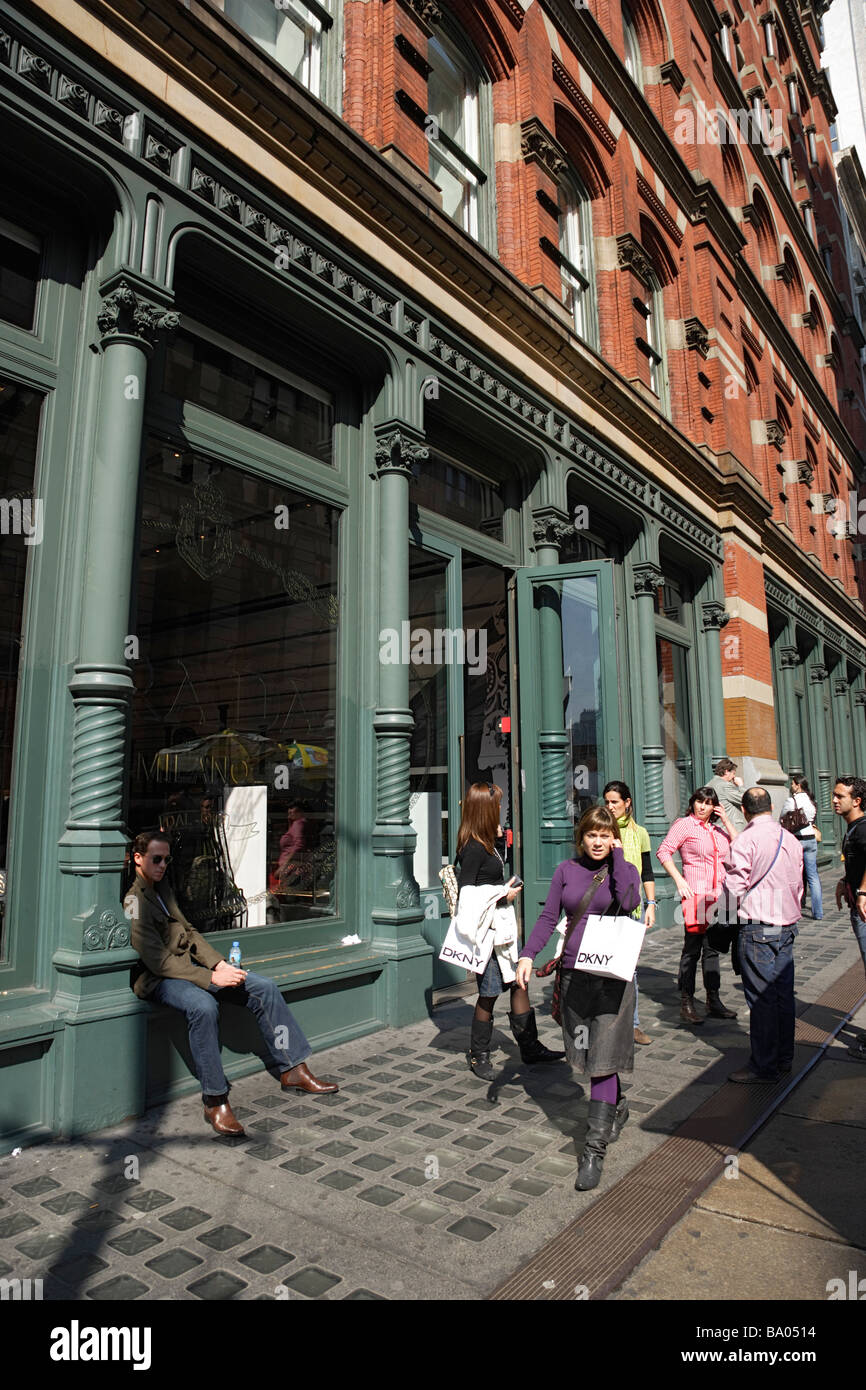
[472,126]
[633,59]
[725,41]
[576,249]
[812,145]
[769,25]
[313,27]
[793,96]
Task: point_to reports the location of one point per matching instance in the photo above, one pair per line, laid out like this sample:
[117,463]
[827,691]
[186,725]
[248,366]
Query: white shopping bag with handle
[610,946]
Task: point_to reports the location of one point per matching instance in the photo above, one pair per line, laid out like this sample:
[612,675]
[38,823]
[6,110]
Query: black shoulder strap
[597,881]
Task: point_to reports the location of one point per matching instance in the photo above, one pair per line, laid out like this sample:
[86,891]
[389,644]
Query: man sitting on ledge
[184,972]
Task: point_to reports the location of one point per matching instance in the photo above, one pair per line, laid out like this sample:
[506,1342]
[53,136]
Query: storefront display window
[280,407]
[428,701]
[449,490]
[20,529]
[235,627]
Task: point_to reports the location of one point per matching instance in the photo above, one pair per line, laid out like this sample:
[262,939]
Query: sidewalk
[418,1181]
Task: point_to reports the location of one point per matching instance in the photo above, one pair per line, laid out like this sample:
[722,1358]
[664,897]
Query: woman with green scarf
[638,851]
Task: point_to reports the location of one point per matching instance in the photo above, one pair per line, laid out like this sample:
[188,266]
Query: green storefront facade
[271,485]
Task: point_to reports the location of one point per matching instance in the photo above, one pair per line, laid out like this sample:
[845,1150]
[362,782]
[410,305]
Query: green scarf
[628,834]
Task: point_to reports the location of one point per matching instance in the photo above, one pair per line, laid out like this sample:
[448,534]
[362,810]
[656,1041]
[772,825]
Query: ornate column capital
[134,309]
[550,528]
[398,449]
[426,12]
[789,657]
[697,336]
[860,697]
[818,673]
[714,616]
[647,578]
[841,685]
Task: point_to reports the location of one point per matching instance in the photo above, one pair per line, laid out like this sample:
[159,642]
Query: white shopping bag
[460,949]
[610,946]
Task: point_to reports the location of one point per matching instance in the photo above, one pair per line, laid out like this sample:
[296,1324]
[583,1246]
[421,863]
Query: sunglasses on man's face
[160,859]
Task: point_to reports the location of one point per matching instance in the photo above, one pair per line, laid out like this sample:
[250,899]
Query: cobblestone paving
[416,1181]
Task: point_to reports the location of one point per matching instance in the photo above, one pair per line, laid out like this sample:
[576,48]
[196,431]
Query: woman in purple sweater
[597,1013]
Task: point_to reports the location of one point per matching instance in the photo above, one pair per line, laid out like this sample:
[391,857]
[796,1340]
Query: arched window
[576,250]
[631,38]
[460,140]
[735,184]
[295,35]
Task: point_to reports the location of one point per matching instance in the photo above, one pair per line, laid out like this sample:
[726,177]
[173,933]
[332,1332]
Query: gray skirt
[597,1023]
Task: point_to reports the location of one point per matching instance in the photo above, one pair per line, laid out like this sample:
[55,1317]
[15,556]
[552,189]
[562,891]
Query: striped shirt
[702,849]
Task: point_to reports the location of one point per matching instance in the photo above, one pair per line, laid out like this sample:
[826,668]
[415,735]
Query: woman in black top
[481,861]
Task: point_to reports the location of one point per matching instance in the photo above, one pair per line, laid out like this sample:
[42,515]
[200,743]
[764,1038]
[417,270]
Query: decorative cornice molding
[656,205]
[538,146]
[564,79]
[631,256]
[673,74]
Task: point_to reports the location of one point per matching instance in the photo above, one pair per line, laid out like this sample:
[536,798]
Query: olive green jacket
[169,946]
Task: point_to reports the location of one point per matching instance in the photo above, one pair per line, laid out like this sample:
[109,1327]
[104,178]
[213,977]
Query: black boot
[479,1049]
[688,1012]
[526,1034]
[598,1136]
[619,1119]
[715,1007]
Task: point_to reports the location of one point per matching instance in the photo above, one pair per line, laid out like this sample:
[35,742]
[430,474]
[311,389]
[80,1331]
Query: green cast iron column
[550,527]
[398,913]
[822,786]
[103,1062]
[789,660]
[842,724]
[647,578]
[714,618]
[858,727]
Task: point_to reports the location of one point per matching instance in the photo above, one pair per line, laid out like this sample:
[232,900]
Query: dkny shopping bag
[460,949]
[610,946]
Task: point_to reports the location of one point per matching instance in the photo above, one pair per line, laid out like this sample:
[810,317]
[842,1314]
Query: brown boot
[300,1078]
[219,1116]
[688,1012]
[715,1007]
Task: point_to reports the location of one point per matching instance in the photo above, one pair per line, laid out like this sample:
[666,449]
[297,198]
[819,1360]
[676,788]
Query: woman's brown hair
[480,819]
[595,818]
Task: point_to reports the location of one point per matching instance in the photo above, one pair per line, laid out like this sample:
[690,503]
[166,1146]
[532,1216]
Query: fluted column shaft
[647,578]
[714,618]
[792,750]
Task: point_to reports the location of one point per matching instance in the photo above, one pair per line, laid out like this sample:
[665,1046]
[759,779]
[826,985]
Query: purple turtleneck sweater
[570,882]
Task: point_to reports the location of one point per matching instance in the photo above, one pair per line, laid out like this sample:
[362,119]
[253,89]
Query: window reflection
[443,487]
[675,726]
[233,721]
[428,701]
[20,255]
[19,435]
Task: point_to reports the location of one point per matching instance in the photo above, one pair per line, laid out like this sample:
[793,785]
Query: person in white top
[801,799]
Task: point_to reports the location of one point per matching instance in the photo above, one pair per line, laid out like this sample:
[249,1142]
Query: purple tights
[604,1088]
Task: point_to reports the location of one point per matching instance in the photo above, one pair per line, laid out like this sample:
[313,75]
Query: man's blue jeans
[767,964]
[285,1043]
[859,931]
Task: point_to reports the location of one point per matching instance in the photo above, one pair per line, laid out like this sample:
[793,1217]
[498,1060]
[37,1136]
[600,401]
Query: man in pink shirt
[764,884]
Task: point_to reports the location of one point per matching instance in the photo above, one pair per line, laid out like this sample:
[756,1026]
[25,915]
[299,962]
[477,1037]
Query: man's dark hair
[857,786]
[756,802]
[724,765]
[141,844]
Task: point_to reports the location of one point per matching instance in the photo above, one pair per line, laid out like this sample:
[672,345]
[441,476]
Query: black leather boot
[598,1135]
[619,1119]
[532,1050]
[715,1007]
[479,1049]
[688,1012]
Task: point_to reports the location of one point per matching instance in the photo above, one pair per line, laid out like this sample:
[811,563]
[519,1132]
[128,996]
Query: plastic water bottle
[235,955]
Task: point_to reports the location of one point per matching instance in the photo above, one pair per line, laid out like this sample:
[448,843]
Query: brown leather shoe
[223,1121]
[642,1038]
[300,1078]
[688,1012]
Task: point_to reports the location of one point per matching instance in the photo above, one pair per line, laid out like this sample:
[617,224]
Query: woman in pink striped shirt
[703,838]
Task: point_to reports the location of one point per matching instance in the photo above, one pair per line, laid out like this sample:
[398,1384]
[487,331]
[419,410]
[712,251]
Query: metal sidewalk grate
[601,1247]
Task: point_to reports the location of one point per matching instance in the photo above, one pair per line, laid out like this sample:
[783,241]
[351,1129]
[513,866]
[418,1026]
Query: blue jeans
[767,963]
[284,1041]
[810,869]
[859,931]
